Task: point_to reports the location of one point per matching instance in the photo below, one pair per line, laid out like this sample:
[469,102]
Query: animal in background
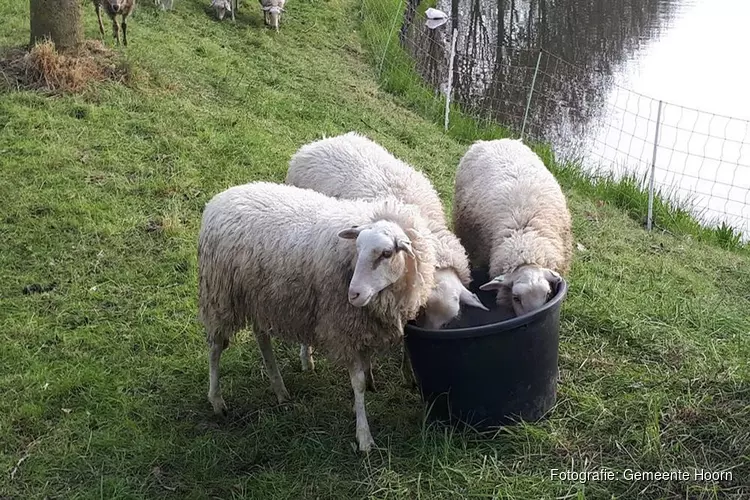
[272,10]
[114,8]
[222,7]
[164,4]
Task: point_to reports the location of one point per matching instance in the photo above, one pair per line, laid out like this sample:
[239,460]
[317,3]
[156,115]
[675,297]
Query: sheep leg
[305,356]
[406,370]
[269,360]
[214,390]
[124,31]
[116,30]
[234,8]
[98,8]
[369,379]
[359,385]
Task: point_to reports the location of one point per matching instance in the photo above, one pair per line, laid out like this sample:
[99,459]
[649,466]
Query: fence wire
[701,160]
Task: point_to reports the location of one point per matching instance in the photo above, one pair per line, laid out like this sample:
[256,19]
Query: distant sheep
[114,8]
[221,7]
[164,4]
[512,217]
[272,10]
[285,259]
[352,166]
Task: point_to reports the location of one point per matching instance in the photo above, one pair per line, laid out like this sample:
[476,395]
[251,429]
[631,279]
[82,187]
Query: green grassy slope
[104,377]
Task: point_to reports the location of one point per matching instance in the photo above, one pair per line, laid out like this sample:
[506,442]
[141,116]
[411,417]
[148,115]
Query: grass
[104,370]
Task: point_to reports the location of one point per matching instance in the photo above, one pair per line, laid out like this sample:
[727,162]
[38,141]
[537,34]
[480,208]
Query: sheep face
[114,6]
[527,288]
[446,298]
[382,250]
[221,7]
[274,15]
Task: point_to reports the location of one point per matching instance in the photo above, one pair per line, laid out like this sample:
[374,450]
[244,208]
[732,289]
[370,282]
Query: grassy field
[103,365]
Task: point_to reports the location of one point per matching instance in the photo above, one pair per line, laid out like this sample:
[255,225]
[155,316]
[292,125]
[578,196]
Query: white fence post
[531,93]
[450,79]
[650,217]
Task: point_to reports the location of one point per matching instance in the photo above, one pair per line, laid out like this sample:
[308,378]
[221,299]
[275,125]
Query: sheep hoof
[365,441]
[220,408]
[308,365]
[283,396]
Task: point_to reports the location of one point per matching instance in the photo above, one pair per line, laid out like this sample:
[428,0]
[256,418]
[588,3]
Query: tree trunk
[409,13]
[58,20]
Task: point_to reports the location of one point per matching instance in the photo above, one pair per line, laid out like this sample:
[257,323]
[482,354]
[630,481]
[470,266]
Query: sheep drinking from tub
[512,217]
[352,166]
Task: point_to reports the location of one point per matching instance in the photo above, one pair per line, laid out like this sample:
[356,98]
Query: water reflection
[592,49]
[496,53]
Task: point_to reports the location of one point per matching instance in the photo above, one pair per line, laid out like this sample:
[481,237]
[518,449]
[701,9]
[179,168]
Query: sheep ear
[350,233]
[495,284]
[552,277]
[405,246]
[470,299]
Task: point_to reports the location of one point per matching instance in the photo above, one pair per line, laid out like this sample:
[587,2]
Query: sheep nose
[353,296]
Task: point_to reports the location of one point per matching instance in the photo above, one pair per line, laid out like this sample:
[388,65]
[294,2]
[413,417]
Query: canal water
[605,67]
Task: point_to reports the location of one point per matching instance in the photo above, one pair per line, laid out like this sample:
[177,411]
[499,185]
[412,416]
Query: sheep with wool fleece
[272,10]
[352,166]
[284,259]
[512,216]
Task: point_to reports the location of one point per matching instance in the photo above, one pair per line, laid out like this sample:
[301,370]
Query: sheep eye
[516,298]
[387,254]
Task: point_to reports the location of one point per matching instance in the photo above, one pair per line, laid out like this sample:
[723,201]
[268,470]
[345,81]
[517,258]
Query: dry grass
[44,68]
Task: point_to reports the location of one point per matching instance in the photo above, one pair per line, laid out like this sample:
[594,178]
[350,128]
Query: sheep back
[352,166]
[509,209]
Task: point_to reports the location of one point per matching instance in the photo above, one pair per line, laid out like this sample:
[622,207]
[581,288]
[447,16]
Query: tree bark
[58,20]
[409,13]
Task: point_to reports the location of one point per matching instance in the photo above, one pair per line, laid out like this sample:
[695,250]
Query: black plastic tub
[488,369]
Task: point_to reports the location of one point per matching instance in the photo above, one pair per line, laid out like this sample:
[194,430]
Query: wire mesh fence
[696,159]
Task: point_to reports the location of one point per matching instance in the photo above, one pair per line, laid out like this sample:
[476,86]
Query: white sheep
[114,8]
[164,4]
[353,166]
[284,260]
[221,7]
[512,217]
[272,10]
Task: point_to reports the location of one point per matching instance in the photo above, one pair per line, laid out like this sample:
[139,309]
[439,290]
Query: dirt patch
[44,68]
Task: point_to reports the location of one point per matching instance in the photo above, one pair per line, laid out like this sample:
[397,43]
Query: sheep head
[446,298]
[221,7]
[273,15]
[527,288]
[382,259]
[114,6]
